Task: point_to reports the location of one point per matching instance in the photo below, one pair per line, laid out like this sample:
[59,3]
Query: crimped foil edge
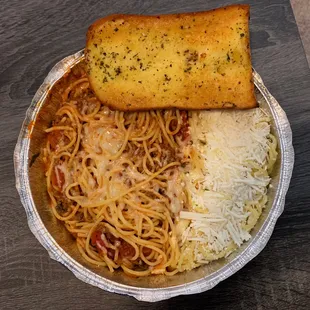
[36,225]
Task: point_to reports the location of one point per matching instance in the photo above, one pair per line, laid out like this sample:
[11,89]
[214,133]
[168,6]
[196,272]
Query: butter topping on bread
[188,61]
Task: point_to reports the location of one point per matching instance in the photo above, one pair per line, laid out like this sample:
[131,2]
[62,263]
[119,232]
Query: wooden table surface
[34,35]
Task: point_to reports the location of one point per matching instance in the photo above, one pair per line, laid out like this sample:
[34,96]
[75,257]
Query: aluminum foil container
[30,183]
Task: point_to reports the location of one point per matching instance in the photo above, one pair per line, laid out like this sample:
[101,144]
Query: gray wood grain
[34,35]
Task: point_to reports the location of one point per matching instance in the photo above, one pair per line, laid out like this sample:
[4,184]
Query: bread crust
[188,61]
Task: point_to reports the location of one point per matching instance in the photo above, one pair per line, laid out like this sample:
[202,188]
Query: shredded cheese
[233,147]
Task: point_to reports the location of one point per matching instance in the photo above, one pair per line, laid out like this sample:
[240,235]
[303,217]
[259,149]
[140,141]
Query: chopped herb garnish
[167,78]
[118,71]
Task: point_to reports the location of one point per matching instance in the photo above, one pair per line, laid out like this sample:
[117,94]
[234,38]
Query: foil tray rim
[37,227]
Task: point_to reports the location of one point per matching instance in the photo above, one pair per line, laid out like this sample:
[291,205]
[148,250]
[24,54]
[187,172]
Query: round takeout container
[31,185]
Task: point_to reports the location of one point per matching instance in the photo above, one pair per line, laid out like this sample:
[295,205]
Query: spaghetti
[107,178]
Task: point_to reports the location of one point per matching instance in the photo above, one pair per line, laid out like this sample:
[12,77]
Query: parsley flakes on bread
[187,61]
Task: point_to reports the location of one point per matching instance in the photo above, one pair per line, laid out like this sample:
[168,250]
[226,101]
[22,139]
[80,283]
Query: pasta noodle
[106,177]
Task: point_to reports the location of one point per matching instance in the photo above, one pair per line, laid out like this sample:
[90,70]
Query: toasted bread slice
[188,61]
